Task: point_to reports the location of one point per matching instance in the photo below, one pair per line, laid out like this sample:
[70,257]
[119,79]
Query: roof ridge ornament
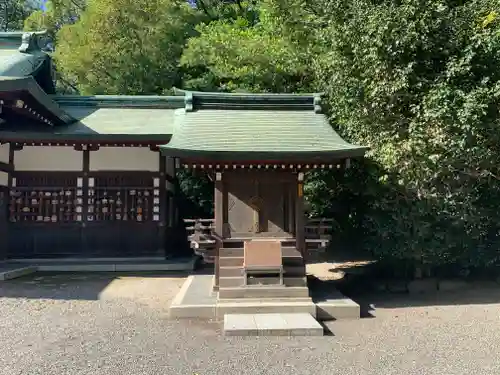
[188,101]
[30,41]
[317,103]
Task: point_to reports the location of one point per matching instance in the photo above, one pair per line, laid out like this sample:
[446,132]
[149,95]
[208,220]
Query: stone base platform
[293,324]
[12,269]
[197,300]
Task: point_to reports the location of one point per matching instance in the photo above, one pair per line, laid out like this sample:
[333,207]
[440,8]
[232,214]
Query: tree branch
[204,8]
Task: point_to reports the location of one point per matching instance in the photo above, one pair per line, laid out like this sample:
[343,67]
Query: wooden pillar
[219,223]
[5,168]
[219,204]
[290,194]
[299,215]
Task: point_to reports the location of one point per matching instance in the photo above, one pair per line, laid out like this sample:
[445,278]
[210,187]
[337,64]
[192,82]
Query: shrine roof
[30,114]
[272,127]
[21,54]
[131,117]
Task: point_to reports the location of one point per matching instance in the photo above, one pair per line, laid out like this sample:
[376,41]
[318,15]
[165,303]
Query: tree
[250,52]
[56,14]
[13,13]
[419,83]
[125,46]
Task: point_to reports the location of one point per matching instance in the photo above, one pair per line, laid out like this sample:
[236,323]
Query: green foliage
[13,13]
[197,194]
[251,52]
[125,46]
[419,83]
[56,14]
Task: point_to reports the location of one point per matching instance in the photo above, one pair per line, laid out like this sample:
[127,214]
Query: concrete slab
[76,267]
[265,306]
[333,305]
[115,265]
[187,265]
[337,309]
[89,260]
[271,325]
[301,324]
[195,299]
[9,272]
[240,325]
[304,325]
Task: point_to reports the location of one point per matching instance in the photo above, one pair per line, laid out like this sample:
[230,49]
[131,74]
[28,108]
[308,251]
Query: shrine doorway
[259,204]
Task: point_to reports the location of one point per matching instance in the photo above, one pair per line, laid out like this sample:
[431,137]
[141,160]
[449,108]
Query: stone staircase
[262,294]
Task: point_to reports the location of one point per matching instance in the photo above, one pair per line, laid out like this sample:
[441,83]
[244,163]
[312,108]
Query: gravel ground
[104,324]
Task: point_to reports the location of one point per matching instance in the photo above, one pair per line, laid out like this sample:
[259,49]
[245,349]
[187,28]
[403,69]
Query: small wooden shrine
[257,148]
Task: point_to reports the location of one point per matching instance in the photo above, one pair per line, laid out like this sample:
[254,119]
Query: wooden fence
[318,233]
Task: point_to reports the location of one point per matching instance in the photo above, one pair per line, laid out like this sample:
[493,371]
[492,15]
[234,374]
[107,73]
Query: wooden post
[219,204]
[6,170]
[219,223]
[4,203]
[299,215]
[292,197]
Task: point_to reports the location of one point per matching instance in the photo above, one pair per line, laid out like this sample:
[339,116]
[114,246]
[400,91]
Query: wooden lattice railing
[318,233]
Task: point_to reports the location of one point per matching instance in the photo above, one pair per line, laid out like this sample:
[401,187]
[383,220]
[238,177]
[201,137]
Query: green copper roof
[21,54]
[104,118]
[271,127]
[250,127]
[123,116]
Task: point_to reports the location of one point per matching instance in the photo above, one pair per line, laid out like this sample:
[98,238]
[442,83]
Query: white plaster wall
[124,159]
[4,178]
[47,158]
[4,153]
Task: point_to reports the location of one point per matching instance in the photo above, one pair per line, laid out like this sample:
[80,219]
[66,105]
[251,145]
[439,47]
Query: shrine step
[237,261]
[264,307]
[237,281]
[264,292]
[261,324]
[234,243]
[290,271]
[262,300]
[288,251]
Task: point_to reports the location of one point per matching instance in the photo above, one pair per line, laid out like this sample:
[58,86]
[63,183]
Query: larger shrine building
[94,176]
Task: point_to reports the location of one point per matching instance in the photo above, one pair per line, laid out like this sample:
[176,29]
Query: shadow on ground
[78,285]
[364,291]
[354,277]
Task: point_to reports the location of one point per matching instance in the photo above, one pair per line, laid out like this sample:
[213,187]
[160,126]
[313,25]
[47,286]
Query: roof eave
[29,85]
[267,156]
[34,136]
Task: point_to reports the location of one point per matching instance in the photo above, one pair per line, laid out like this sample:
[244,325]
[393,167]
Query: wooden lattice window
[124,198]
[46,198]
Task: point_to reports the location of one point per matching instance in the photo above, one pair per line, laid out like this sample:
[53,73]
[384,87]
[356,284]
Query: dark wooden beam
[299,215]
[5,167]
